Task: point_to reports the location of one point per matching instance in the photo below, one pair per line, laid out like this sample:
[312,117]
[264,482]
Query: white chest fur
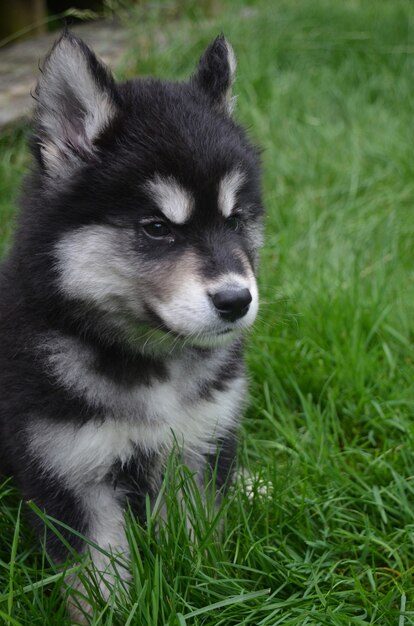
[150,417]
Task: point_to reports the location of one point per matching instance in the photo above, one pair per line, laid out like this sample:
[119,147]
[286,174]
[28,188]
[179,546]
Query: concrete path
[19,64]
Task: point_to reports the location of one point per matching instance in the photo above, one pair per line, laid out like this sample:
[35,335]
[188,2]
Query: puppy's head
[149,208]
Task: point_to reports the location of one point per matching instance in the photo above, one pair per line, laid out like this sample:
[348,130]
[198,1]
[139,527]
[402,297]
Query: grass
[325,532]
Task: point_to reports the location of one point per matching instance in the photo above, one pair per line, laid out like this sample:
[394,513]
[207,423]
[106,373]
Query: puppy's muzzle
[231,304]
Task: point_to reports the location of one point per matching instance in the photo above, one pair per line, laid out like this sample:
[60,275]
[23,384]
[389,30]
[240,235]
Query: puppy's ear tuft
[76,100]
[216,72]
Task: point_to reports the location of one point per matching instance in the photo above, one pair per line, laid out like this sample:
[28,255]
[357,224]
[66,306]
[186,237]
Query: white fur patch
[106,530]
[65,85]
[108,550]
[172,199]
[230,100]
[94,266]
[228,188]
[190,310]
[231,59]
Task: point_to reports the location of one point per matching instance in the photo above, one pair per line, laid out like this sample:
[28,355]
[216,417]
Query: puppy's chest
[189,406]
[189,400]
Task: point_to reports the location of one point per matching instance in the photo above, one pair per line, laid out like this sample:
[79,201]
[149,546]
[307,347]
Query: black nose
[231,304]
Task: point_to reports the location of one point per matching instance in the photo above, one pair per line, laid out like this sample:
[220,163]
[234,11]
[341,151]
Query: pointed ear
[216,72]
[76,100]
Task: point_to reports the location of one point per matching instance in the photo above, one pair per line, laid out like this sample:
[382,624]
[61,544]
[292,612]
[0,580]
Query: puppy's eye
[233,222]
[156,230]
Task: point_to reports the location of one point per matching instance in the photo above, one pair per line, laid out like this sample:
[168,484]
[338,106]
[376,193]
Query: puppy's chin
[148,339]
[213,340]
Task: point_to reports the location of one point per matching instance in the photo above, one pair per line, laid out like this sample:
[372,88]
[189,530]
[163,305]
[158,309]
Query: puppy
[126,293]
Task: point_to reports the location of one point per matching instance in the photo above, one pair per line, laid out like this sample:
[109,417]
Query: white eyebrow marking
[175,202]
[228,188]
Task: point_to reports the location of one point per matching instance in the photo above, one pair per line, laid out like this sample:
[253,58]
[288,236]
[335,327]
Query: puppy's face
[162,190]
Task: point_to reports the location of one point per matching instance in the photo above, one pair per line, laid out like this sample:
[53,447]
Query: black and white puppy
[126,293]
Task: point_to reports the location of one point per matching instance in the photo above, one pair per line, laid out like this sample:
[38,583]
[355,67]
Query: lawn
[323,532]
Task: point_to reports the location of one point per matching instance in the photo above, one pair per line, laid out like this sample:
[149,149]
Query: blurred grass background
[326,533]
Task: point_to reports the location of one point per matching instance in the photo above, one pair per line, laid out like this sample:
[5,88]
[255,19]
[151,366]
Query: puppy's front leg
[94,510]
[108,549]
